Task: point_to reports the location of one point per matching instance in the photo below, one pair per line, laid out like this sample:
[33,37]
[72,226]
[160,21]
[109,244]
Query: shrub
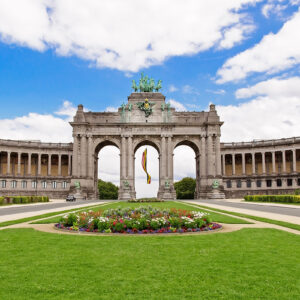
[107,190]
[17,200]
[185,188]
[274,198]
[23,199]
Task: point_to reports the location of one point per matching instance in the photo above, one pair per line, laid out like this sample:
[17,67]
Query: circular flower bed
[139,220]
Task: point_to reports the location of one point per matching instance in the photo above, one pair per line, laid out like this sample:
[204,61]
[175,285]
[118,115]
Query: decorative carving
[126,185]
[146,107]
[215,184]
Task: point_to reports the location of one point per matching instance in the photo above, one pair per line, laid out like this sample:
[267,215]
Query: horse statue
[158,86]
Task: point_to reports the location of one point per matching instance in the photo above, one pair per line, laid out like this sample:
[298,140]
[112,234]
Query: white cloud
[67,109]
[217,92]
[172,88]
[111,109]
[272,8]
[274,113]
[177,105]
[235,35]
[125,35]
[275,52]
[275,88]
[188,89]
[46,128]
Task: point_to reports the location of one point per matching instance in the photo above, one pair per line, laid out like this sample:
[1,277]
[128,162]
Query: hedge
[274,198]
[23,199]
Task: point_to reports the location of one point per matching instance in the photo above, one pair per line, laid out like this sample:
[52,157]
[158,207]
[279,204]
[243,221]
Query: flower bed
[145,200]
[140,220]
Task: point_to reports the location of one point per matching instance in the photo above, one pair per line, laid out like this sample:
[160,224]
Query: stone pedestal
[216,194]
[78,195]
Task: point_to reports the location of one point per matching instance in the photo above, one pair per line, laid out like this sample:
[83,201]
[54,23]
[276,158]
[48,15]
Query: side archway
[106,162]
[187,163]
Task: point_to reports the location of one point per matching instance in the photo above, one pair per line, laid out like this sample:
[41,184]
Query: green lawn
[246,264]
[169,204]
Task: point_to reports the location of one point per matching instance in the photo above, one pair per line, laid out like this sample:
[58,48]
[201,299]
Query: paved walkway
[284,213]
[14,212]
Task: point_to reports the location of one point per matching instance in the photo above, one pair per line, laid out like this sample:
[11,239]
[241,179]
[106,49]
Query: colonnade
[29,155]
[263,161]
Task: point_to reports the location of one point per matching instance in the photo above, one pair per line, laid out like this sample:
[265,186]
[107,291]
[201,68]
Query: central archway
[142,189]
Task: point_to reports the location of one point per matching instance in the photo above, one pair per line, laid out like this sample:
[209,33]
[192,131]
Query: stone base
[124,195]
[79,196]
[207,192]
[216,194]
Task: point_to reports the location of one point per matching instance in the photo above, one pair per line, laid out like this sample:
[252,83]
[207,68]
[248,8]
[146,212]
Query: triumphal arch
[147,119]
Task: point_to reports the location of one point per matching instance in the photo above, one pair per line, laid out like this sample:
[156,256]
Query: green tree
[185,188]
[107,190]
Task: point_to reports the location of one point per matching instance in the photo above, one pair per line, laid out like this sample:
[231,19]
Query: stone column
[294,161]
[203,157]
[75,156]
[209,155]
[253,163]
[19,163]
[39,164]
[218,156]
[8,163]
[83,156]
[59,164]
[163,156]
[243,164]
[170,160]
[283,162]
[69,164]
[273,163]
[90,156]
[233,164]
[130,157]
[29,164]
[49,164]
[123,159]
[263,163]
[131,166]
[223,164]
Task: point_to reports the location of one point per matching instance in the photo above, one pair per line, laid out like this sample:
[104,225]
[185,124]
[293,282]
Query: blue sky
[34,80]
[242,55]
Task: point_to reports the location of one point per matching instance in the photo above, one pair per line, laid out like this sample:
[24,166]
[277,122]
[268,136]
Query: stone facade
[164,129]
[261,167]
[258,167]
[35,168]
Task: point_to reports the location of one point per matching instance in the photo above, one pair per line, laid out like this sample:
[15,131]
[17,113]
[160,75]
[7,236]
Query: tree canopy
[185,188]
[107,190]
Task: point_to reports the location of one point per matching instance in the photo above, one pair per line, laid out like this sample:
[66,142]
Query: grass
[168,204]
[246,264]
[23,220]
[266,220]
